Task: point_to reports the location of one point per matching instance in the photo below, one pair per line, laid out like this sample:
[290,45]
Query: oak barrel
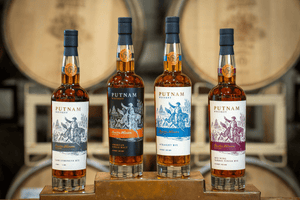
[33,32]
[266,37]
[271,181]
[30,181]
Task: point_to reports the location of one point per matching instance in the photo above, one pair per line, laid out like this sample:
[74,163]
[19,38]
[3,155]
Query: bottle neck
[125,54]
[226,69]
[172,54]
[70,67]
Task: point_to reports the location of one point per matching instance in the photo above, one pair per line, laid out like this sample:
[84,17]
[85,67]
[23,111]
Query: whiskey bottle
[125,102]
[227,122]
[69,121]
[172,91]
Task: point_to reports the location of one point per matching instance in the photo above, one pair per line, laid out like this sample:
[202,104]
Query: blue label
[166,58]
[173,120]
[173,132]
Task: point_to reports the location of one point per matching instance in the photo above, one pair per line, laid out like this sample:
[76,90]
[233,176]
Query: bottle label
[173,58]
[69,135]
[70,69]
[125,55]
[126,121]
[173,120]
[228,134]
[227,71]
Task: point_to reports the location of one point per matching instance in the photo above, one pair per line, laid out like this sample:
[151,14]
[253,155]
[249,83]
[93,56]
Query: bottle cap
[124,26]
[71,38]
[172,25]
[226,37]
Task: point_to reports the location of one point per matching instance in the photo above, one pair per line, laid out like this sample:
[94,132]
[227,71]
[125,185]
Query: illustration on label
[126,123]
[173,120]
[228,71]
[174,116]
[129,117]
[71,131]
[70,69]
[69,135]
[228,134]
[232,130]
[172,58]
[125,55]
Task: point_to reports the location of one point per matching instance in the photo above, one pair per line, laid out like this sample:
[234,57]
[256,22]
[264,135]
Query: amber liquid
[69,91]
[172,77]
[125,78]
[226,90]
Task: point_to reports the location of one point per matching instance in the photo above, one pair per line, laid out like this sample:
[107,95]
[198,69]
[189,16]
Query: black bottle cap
[172,25]
[226,37]
[71,38]
[124,26]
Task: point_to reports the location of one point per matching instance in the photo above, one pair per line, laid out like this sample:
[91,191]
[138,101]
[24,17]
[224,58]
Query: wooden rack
[150,187]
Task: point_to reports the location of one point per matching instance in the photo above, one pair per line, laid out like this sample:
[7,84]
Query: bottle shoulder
[125,80]
[70,93]
[227,92]
[173,80]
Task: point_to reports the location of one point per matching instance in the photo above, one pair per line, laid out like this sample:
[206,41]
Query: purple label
[225,146]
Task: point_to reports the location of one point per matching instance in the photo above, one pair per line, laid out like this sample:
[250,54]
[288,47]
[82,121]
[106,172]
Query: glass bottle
[69,121]
[125,100]
[172,90]
[227,122]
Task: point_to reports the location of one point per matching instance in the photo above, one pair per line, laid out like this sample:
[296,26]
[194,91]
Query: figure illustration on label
[175,117]
[128,117]
[229,131]
[71,131]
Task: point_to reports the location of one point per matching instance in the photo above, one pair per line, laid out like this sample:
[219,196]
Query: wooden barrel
[33,32]
[271,181]
[266,37]
[30,181]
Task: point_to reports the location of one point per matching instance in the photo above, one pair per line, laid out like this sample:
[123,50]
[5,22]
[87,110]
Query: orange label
[70,69]
[125,133]
[172,58]
[125,55]
[227,71]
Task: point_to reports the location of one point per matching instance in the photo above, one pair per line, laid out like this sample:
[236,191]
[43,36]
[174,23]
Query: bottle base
[229,184]
[126,171]
[68,185]
[173,171]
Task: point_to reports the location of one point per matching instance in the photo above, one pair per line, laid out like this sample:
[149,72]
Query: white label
[227,160]
[170,146]
[228,134]
[69,135]
[173,120]
[68,160]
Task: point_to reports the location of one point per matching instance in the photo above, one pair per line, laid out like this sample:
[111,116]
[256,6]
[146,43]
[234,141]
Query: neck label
[71,69]
[125,55]
[172,58]
[227,71]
